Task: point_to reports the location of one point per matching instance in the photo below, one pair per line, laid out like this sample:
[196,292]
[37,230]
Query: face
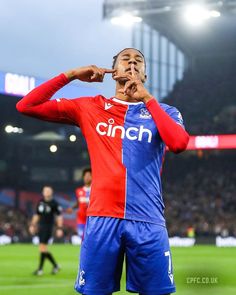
[128,57]
[87,178]
[47,193]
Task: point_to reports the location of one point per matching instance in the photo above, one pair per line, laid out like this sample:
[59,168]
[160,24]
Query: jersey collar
[125,102]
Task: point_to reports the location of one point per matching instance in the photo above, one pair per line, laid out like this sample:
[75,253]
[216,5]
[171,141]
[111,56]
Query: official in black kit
[48,213]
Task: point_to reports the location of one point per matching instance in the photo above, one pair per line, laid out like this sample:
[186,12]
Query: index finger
[133,70]
[108,70]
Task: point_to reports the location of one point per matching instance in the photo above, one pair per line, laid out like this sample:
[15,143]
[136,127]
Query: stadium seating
[199,188]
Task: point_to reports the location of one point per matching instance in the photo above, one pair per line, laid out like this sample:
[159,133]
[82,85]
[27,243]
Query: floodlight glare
[72,138]
[53,148]
[12,129]
[214,13]
[196,14]
[126,19]
[15,129]
[9,129]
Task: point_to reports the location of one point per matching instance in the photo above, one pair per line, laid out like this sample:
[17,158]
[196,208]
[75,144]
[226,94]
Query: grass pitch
[198,270]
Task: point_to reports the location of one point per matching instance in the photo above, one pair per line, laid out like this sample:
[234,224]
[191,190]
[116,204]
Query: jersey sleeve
[175,114]
[70,109]
[57,208]
[37,103]
[37,211]
[170,126]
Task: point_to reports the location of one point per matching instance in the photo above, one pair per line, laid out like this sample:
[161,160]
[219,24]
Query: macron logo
[108,106]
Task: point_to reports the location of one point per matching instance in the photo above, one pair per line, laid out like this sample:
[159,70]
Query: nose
[132,61]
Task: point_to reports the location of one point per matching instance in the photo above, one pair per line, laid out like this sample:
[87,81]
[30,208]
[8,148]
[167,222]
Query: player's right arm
[33,224]
[37,103]
[88,74]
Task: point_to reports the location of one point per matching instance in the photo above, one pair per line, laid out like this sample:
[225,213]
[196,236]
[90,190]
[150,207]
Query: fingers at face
[117,78]
[123,77]
[129,85]
[127,93]
[97,76]
[94,77]
[130,92]
[134,89]
[133,71]
[101,74]
[108,71]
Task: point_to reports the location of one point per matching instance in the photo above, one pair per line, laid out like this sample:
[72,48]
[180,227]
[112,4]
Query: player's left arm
[170,126]
[171,131]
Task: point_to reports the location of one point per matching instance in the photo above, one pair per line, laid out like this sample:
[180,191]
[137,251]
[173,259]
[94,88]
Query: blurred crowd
[15,224]
[200,196]
[199,192]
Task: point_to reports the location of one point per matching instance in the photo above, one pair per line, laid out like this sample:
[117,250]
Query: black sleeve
[37,209]
[57,208]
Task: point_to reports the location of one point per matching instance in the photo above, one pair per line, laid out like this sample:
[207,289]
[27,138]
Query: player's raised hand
[89,73]
[134,87]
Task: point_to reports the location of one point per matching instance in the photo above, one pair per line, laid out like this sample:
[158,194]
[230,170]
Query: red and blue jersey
[125,146]
[126,153]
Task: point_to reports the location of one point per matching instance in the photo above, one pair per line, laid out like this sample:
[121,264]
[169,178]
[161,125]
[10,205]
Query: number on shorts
[167,253]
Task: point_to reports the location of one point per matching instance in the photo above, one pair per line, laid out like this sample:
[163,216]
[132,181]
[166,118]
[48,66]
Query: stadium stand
[206,96]
[201,193]
[202,199]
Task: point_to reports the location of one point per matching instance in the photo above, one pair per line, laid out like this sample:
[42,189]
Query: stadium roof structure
[218,35]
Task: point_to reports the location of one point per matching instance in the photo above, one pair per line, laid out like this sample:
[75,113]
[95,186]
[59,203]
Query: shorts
[145,247]
[45,233]
[80,229]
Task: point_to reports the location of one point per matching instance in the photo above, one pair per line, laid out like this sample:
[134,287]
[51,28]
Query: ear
[145,78]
